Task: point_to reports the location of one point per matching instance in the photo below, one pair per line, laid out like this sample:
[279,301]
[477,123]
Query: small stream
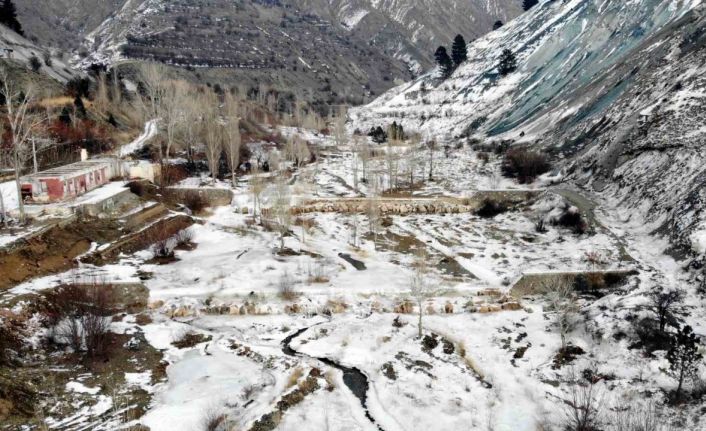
[353,378]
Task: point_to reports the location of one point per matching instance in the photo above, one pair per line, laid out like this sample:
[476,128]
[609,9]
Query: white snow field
[487,370]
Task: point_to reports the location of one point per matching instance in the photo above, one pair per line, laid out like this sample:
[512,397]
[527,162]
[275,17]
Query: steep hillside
[63,23]
[615,88]
[254,42]
[412,29]
[21,50]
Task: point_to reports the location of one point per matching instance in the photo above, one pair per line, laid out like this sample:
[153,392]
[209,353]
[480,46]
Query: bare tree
[339,126]
[257,186]
[233,139]
[373,211]
[22,125]
[431,146]
[412,158]
[212,134]
[665,303]
[562,300]
[282,207]
[419,289]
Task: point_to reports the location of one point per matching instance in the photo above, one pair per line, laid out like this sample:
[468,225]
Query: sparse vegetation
[491,208]
[524,165]
[78,315]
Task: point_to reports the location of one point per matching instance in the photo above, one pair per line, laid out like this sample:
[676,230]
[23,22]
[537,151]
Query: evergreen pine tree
[459,50]
[444,61]
[65,116]
[529,4]
[508,63]
[8,16]
[684,357]
[497,25]
[80,108]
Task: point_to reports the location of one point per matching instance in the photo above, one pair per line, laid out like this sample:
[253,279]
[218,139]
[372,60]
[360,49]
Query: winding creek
[353,378]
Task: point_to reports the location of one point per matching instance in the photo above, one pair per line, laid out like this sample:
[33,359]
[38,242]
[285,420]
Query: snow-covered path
[150,131]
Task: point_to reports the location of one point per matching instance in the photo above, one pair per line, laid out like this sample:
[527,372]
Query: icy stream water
[353,378]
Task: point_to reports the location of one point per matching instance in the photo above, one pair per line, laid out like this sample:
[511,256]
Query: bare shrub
[10,341]
[137,188]
[294,377]
[638,417]
[525,165]
[184,237]
[194,201]
[572,219]
[214,420]
[285,288]
[187,339]
[582,409]
[491,208]
[163,248]
[79,314]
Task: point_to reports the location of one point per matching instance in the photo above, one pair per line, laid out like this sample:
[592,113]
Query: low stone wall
[136,220]
[431,205]
[535,283]
[109,205]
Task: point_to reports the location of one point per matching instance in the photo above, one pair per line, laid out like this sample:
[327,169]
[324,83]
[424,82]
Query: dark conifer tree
[508,63]
[684,357]
[80,108]
[8,16]
[529,4]
[444,61]
[459,50]
[65,116]
[497,25]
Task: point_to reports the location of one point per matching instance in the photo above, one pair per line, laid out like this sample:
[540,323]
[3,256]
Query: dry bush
[174,173]
[137,188]
[572,219]
[10,341]
[187,339]
[184,237]
[638,417]
[163,248]
[582,410]
[79,315]
[285,288]
[525,165]
[194,201]
[294,377]
[214,420]
[490,208]
[318,274]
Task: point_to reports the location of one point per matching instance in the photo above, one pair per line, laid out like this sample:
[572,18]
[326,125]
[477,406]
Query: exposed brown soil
[53,251]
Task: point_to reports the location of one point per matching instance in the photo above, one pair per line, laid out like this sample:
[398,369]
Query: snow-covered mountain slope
[614,88]
[412,29]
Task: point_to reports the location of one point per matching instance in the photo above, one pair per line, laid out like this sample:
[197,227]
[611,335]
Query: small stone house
[66,182]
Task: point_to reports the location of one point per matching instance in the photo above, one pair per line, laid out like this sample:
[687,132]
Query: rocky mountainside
[344,50]
[615,90]
[412,29]
[64,23]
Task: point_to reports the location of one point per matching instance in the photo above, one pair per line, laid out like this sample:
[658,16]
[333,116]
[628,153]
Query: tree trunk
[681,381]
[421,312]
[34,156]
[20,201]
[2,209]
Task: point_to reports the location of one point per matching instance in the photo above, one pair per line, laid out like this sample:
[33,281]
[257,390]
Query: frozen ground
[488,371]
